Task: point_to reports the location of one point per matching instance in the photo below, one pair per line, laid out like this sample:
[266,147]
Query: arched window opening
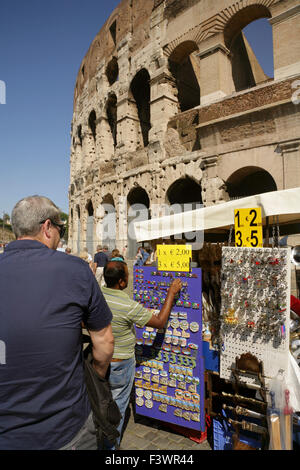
[113,31]
[260,36]
[186,193]
[108,200]
[111,111]
[108,222]
[248,36]
[138,204]
[112,71]
[79,134]
[249,181]
[184,66]
[90,209]
[90,228]
[140,89]
[92,123]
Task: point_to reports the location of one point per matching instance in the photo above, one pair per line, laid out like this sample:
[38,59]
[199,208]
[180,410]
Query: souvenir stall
[169,380]
[247,381]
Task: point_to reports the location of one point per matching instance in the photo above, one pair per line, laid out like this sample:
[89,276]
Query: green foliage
[65,218]
[6,218]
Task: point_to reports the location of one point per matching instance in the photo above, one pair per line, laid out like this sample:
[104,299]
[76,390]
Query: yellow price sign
[248,227]
[174,257]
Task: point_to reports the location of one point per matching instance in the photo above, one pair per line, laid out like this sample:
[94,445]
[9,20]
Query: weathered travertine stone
[172,106]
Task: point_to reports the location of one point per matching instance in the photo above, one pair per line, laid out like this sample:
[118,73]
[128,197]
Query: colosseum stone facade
[172,107]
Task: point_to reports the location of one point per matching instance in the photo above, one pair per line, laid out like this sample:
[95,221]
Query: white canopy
[284,204]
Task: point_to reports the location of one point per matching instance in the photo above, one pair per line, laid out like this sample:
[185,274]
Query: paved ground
[142,433]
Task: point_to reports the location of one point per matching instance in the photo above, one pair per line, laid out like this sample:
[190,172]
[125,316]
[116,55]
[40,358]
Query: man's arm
[103,348]
[160,320]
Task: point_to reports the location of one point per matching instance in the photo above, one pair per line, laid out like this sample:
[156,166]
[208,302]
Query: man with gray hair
[45,296]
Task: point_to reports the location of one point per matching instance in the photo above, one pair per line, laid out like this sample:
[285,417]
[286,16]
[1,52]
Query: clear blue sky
[42,44]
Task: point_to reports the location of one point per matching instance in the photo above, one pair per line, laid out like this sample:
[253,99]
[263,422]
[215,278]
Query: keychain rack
[255,292]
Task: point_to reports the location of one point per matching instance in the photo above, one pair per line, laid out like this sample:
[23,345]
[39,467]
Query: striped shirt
[126,313]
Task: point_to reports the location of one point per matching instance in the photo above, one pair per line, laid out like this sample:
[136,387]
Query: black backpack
[106,414]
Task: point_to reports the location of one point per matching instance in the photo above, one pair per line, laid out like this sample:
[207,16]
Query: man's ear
[46,229]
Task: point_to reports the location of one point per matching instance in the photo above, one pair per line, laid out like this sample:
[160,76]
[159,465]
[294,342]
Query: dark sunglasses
[62,227]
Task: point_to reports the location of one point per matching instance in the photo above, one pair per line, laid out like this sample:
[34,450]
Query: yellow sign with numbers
[174,257]
[248,227]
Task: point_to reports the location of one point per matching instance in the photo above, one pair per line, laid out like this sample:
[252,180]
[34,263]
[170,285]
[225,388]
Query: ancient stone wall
[171,106]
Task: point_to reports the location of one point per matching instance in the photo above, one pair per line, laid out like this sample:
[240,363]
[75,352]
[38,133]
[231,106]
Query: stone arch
[184,195]
[108,221]
[92,123]
[89,208]
[194,35]
[185,69]
[108,199]
[241,18]
[218,22]
[90,226]
[94,56]
[90,140]
[111,112]
[246,70]
[138,195]
[184,191]
[82,75]
[138,208]
[79,183]
[112,71]
[79,134]
[140,92]
[248,181]
[78,235]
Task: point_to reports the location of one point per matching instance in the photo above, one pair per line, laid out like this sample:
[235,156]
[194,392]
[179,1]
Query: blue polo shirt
[44,296]
[101,259]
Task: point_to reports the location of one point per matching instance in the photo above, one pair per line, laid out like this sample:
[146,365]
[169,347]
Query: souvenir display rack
[169,381]
[255,292]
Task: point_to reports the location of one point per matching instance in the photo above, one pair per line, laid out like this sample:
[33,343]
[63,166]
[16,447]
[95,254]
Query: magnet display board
[169,380]
[255,292]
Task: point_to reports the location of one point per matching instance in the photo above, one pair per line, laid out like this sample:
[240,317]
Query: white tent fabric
[285,204]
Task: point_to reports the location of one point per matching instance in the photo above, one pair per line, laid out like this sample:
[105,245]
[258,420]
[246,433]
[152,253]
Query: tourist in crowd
[89,257]
[141,256]
[126,314]
[152,257]
[100,260]
[84,256]
[45,296]
[115,253]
